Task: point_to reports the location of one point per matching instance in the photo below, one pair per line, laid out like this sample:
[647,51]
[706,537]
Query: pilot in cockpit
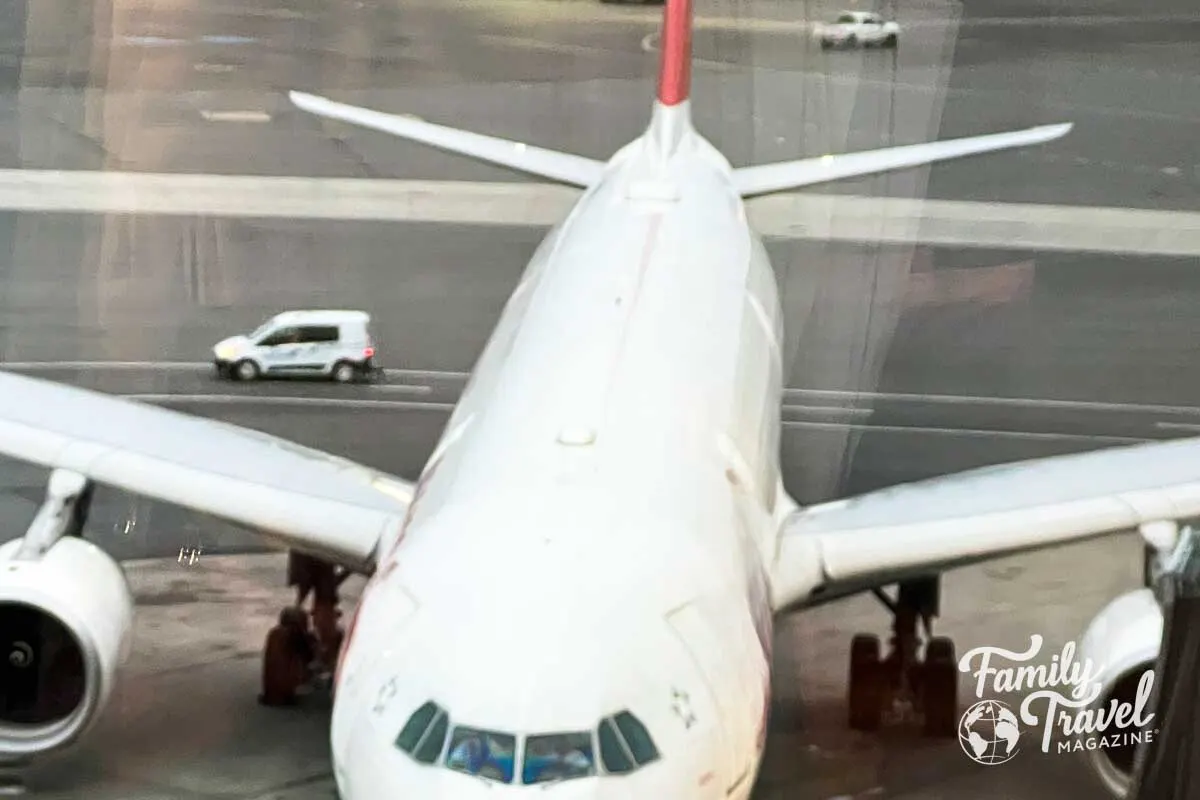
[470,755]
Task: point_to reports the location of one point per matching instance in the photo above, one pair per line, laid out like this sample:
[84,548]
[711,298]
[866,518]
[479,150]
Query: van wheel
[344,372]
[245,370]
[890,41]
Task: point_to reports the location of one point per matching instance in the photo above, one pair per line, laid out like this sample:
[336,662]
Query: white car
[332,344]
[853,28]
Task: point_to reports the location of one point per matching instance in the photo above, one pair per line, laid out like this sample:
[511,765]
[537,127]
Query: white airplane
[577,594]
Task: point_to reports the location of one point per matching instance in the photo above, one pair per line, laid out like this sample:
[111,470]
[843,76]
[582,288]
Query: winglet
[675,66]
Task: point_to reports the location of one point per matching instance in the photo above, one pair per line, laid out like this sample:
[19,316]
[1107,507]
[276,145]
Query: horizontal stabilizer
[821,169]
[562,167]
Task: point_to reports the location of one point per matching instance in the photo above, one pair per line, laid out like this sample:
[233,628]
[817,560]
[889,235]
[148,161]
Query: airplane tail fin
[562,167]
[787,175]
[675,60]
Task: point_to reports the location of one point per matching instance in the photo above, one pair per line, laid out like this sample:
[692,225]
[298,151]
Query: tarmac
[904,360]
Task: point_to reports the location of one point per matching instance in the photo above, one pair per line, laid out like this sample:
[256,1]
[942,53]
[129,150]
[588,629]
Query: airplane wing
[838,548]
[563,167]
[292,495]
[786,175]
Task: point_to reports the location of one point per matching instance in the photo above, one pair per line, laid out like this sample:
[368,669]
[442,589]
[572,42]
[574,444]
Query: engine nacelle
[1124,638]
[65,629]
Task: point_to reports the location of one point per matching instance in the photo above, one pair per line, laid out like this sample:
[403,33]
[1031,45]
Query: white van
[332,344]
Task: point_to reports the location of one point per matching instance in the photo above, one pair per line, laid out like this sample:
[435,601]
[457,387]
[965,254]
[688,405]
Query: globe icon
[988,732]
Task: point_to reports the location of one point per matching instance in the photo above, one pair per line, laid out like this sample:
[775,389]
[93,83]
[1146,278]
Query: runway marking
[1012,402]
[788,393]
[416,405]
[277,400]
[235,116]
[188,366]
[1178,426]
[786,216]
[975,432]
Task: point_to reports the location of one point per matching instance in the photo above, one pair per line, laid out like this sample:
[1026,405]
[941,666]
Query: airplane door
[716,652]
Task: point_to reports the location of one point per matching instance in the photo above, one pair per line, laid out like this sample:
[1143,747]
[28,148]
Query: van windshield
[261,330]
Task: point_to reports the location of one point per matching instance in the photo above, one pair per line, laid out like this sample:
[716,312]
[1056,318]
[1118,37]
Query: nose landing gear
[901,686]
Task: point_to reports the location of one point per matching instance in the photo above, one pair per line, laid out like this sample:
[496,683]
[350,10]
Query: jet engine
[65,624]
[1124,640]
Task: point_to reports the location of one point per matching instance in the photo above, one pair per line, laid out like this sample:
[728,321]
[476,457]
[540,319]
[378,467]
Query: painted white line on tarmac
[788,393]
[785,216]
[188,366]
[235,116]
[973,432]
[269,400]
[1011,402]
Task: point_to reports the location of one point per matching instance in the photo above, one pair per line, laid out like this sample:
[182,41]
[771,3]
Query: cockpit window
[558,757]
[625,744]
[421,739]
[485,753]
[430,748]
[641,746]
[616,757]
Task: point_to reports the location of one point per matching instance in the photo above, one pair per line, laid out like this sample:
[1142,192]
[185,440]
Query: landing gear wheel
[866,683]
[344,372]
[939,689]
[245,370]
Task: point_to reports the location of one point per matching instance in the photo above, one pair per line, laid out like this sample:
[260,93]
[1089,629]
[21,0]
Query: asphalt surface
[893,353]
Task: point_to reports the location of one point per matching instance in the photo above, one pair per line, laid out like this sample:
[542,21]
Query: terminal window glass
[489,754]
[558,757]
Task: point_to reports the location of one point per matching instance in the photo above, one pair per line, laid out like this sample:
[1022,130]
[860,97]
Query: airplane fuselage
[589,534]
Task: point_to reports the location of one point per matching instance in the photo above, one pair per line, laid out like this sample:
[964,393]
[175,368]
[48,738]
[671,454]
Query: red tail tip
[675,69]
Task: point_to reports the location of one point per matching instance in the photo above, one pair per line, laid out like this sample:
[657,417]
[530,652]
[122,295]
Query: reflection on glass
[488,754]
[261,330]
[558,757]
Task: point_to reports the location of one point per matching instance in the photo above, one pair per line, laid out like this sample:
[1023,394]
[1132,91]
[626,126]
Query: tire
[890,41]
[866,684]
[939,689]
[343,372]
[245,370]
[825,45]
[939,700]
[940,649]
